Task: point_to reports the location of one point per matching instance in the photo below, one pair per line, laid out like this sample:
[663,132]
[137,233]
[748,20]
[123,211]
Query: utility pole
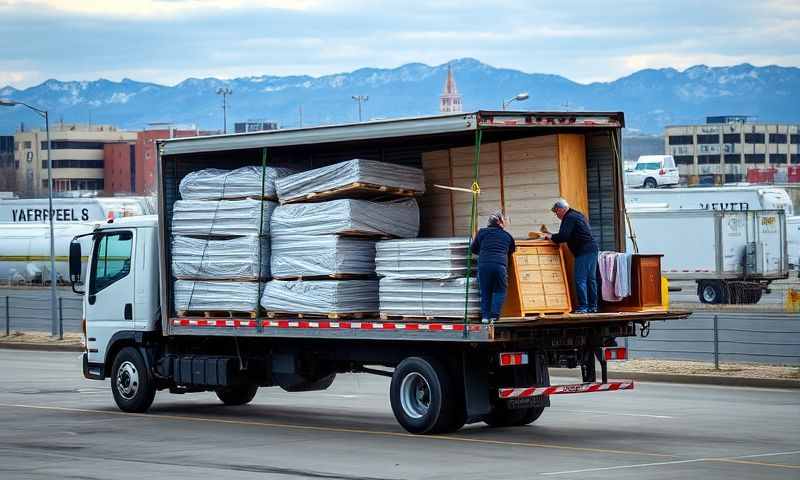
[224,91]
[360,99]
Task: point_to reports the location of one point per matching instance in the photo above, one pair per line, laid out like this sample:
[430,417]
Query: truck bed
[376,329]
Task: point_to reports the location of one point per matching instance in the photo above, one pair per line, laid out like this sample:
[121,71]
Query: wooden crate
[646,285]
[537,281]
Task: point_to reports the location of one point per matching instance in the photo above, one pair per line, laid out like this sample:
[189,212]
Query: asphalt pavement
[58,425]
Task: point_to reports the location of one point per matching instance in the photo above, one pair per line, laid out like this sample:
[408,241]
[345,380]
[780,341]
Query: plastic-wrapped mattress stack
[220,241]
[323,252]
[426,277]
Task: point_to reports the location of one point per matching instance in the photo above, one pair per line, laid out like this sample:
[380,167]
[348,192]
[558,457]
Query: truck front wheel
[238,395]
[424,398]
[131,383]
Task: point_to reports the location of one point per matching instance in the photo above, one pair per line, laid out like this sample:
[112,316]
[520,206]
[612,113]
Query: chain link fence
[772,338]
[32,314]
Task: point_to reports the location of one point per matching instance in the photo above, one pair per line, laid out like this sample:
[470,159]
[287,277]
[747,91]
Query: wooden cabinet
[646,286]
[537,281]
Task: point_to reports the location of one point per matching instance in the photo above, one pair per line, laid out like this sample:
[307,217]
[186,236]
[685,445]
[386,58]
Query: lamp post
[54,327]
[224,91]
[360,99]
[517,98]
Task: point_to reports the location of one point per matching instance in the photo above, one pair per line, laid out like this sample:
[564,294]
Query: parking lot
[58,425]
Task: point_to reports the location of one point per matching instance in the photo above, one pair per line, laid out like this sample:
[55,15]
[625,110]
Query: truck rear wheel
[237,395]
[424,398]
[131,383]
[712,292]
[503,417]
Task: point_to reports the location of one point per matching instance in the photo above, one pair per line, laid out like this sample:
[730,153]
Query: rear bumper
[92,371]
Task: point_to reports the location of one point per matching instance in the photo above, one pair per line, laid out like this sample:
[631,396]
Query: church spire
[450,100]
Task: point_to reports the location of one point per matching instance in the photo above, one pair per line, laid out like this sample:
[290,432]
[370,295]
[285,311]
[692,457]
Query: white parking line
[770,454]
[619,467]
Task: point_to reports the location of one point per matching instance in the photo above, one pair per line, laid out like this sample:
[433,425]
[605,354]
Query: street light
[360,99]
[517,98]
[54,325]
[224,91]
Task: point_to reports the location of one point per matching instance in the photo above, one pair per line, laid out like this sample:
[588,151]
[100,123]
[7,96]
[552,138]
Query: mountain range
[650,98]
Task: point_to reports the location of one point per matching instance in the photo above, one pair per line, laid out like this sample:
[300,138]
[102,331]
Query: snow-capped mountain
[650,98]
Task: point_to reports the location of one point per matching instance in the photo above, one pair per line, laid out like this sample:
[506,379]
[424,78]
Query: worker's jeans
[493,281]
[585,270]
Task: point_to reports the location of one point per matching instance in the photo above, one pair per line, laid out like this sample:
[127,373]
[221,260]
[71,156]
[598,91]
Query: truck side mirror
[75,264]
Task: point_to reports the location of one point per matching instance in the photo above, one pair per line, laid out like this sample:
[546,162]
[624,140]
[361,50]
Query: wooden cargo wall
[522,177]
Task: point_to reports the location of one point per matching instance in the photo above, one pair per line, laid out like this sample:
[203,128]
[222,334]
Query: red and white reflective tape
[564,389]
[513,358]
[327,324]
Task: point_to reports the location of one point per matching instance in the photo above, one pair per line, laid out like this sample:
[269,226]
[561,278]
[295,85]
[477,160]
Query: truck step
[317,316]
[353,190]
[217,314]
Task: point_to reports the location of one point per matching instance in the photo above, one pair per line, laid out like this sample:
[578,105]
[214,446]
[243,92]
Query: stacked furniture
[426,277]
[537,280]
[323,252]
[220,247]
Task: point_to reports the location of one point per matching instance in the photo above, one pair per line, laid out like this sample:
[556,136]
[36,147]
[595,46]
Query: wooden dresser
[645,286]
[537,281]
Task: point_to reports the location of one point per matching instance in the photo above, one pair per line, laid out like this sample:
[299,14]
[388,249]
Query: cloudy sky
[165,41]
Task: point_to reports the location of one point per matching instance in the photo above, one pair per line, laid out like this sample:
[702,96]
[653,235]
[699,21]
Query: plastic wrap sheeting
[215,184]
[220,217]
[422,258]
[345,173]
[308,256]
[399,218]
[321,296]
[429,298]
[200,295]
[231,259]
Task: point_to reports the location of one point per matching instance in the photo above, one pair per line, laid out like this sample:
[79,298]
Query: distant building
[130,167]
[8,177]
[450,100]
[78,152]
[729,149]
[254,126]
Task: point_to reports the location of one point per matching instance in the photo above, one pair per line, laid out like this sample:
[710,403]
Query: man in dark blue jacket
[493,245]
[577,234]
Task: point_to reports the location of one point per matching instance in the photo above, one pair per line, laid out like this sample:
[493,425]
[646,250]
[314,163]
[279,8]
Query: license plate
[528,402]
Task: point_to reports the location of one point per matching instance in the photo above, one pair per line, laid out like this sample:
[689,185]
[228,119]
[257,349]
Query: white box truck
[732,255]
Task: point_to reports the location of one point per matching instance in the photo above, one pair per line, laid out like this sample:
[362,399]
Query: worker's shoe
[581,311]
[485,320]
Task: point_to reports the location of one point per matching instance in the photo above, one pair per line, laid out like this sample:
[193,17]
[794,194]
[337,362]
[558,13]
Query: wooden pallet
[332,276]
[353,190]
[322,316]
[217,313]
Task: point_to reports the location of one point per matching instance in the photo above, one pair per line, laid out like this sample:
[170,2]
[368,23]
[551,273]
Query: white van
[652,171]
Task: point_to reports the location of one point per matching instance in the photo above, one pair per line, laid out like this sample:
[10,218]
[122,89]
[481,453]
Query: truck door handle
[128,311]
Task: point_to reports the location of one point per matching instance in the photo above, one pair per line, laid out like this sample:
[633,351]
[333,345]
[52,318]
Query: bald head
[560,208]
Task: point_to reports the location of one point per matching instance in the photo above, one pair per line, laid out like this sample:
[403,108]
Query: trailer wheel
[424,398]
[712,292]
[500,416]
[131,383]
[237,395]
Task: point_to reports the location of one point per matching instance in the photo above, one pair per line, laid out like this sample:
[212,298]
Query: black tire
[131,383]
[650,183]
[712,292]
[424,398]
[503,417]
[237,395]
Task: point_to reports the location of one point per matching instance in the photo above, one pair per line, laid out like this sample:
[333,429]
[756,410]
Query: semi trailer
[444,372]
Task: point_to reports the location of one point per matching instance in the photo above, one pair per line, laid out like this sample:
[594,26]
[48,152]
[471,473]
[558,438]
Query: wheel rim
[127,380]
[709,294]
[415,395]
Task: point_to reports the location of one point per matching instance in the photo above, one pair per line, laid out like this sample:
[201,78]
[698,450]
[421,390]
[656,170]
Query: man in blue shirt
[493,245]
[577,234]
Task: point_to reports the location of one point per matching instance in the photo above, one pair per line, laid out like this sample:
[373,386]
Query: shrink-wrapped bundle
[200,295]
[305,185]
[422,258]
[221,217]
[321,296]
[325,255]
[231,259]
[429,298]
[398,218]
[216,184]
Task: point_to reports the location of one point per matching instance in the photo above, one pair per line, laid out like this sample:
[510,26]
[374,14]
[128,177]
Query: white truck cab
[121,284]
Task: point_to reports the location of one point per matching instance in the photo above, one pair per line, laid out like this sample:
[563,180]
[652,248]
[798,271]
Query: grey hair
[496,217]
[560,203]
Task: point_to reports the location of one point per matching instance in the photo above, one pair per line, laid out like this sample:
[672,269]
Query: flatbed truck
[444,373]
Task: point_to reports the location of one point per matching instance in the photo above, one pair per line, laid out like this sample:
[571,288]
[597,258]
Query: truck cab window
[111,261]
